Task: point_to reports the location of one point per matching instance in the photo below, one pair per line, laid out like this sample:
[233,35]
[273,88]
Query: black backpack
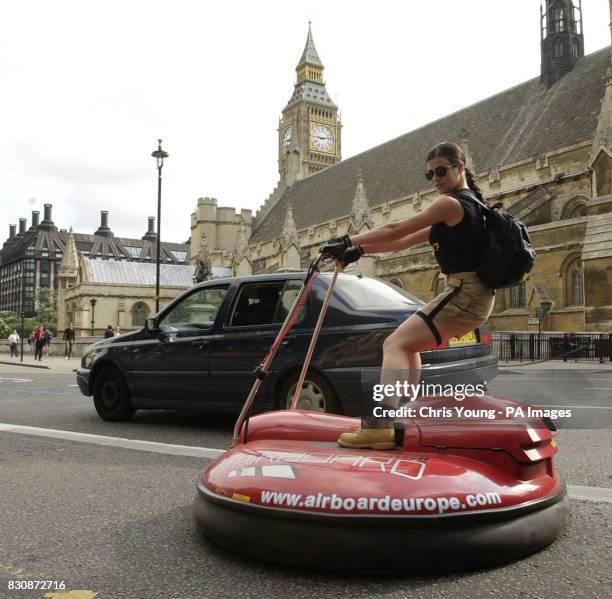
[508,254]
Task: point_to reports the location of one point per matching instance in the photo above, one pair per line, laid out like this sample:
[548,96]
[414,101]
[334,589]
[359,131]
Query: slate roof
[310,55]
[96,246]
[598,237]
[529,203]
[121,272]
[517,124]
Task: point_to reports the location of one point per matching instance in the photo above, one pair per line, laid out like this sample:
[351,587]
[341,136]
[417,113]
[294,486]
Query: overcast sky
[88,87]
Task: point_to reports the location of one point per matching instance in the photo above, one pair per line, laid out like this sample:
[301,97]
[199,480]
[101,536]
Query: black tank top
[459,248]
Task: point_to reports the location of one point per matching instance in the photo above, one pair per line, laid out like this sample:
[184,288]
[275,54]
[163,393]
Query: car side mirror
[150,324]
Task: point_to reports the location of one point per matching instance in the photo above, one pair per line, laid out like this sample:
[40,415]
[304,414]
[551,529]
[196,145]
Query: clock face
[287,137]
[322,138]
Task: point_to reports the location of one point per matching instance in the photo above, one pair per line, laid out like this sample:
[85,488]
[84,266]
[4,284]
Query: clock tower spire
[309,127]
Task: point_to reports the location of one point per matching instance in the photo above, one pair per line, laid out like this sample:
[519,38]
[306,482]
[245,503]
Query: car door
[257,312]
[173,363]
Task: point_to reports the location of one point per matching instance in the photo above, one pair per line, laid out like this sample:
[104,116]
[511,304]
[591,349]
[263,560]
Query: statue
[202,272]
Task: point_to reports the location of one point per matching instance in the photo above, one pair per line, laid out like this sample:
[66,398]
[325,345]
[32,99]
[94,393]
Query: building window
[397,282]
[558,24]
[517,296]
[139,314]
[573,281]
[558,49]
[134,251]
[577,211]
[576,288]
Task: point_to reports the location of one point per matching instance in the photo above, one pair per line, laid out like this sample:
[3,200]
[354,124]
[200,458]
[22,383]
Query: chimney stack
[12,229]
[104,229]
[150,235]
[22,225]
[35,218]
[47,223]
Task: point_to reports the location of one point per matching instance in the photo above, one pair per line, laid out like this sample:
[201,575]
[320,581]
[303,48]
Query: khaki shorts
[464,304]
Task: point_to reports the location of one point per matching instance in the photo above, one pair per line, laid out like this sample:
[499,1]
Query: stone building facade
[123,292]
[45,257]
[542,150]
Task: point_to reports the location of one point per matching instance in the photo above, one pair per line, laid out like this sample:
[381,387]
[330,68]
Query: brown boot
[372,438]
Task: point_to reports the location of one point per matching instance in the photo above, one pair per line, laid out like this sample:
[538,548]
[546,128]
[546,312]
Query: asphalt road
[117,522]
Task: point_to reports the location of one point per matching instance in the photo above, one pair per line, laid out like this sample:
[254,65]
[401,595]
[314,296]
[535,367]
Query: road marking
[167,448]
[12,380]
[574,491]
[77,594]
[590,493]
[73,385]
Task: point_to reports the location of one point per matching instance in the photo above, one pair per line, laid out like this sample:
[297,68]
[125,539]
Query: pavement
[60,364]
[54,363]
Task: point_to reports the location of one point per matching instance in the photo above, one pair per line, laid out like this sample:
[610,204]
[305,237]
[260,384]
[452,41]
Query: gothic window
[139,314]
[558,24]
[397,282]
[576,287]
[575,208]
[573,282]
[579,210]
[558,49]
[575,48]
[517,296]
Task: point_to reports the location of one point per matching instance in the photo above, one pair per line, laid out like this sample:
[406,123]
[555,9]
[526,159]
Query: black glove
[351,255]
[336,246]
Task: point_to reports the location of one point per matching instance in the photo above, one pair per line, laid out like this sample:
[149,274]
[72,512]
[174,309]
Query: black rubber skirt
[381,544]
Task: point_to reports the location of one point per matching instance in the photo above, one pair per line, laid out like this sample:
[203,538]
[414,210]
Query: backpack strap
[473,197]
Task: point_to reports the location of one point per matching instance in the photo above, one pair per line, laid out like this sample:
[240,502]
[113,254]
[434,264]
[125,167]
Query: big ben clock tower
[309,128]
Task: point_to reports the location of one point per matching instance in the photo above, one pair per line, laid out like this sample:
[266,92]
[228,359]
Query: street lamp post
[22,304]
[159,155]
[93,301]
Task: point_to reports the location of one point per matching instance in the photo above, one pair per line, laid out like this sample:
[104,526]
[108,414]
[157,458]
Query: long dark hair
[454,154]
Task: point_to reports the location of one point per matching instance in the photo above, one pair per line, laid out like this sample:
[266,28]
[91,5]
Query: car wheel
[317,394]
[112,396]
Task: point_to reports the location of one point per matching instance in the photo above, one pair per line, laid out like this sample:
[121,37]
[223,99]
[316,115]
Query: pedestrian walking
[13,339]
[117,331]
[39,342]
[48,339]
[68,338]
[109,332]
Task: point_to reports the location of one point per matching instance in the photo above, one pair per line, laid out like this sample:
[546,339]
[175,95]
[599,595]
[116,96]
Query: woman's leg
[401,358]
[401,352]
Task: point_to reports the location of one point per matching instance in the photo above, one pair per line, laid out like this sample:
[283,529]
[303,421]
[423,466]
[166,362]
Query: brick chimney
[47,223]
[151,235]
[104,229]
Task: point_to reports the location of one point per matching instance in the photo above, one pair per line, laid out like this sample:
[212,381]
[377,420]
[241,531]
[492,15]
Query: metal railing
[535,347]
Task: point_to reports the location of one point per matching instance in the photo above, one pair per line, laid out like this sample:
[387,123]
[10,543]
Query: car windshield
[196,311]
[368,292]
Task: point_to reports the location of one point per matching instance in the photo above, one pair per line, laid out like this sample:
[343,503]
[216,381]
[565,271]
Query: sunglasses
[439,172]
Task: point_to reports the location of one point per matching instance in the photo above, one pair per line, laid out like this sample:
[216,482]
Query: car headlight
[87,360]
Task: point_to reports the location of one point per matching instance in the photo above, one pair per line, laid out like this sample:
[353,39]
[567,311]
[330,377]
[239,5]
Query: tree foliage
[45,315]
[9,322]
